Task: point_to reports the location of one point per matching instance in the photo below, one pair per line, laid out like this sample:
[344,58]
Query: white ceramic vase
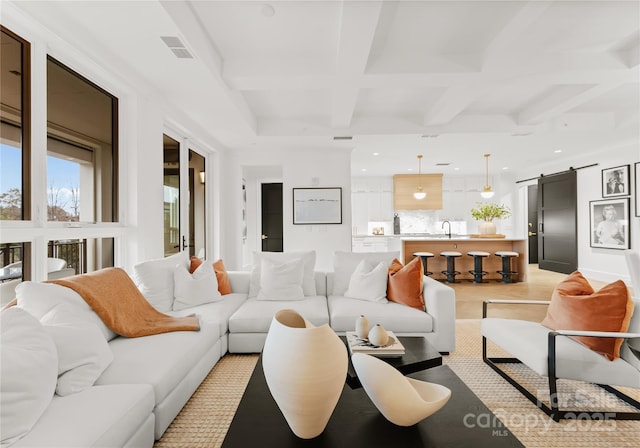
[403,401]
[487,228]
[305,368]
[362,327]
[378,336]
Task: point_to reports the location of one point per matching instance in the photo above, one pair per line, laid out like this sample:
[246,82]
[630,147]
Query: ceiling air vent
[177,47]
[343,137]
[443,164]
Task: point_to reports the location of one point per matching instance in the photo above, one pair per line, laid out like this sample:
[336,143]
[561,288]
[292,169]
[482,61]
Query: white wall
[326,168]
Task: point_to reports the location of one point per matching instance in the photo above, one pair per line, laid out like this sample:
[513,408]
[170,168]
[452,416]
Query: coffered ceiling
[448,79]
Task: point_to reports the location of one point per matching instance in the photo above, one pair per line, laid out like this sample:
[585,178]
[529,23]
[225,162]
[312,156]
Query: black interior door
[532,222]
[271,205]
[557,226]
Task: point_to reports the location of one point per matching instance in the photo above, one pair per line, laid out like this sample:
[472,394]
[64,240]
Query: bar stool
[477,271]
[506,271]
[451,265]
[424,256]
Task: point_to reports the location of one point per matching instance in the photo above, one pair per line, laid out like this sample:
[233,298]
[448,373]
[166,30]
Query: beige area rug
[203,422]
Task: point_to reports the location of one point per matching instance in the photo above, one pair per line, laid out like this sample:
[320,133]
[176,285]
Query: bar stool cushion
[423,254]
[405,283]
[478,253]
[507,253]
[450,253]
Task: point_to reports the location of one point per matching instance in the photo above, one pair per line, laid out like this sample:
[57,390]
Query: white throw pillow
[344,263]
[308,260]
[28,373]
[197,288]
[281,281]
[369,282]
[83,353]
[154,279]
[39,298]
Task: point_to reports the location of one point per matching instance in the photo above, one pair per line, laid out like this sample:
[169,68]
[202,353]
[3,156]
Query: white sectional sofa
[147,380]
[248,326]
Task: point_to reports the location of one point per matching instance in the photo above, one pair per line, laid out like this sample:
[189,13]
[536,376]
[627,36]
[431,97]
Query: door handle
[184,242]
[264,237]
[532,234]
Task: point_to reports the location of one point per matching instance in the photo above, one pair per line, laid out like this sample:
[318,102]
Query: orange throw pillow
[405,283]
[224,285]
[576,306]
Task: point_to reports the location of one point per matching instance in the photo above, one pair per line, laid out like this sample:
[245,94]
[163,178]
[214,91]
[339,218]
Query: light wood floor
[539,286]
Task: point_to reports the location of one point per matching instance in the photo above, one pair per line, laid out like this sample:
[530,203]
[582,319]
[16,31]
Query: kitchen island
[464,263]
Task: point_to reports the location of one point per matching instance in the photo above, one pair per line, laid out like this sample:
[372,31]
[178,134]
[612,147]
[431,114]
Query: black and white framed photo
[637,187]
[610,223]
[615,181]
[317,205]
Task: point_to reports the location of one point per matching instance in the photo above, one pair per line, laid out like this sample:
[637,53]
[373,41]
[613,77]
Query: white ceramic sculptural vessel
[305,368]
[362,327]
[403,401]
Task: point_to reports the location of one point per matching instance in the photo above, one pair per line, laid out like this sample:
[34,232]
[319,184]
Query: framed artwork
[637,187]
[609,223]
[615,181]
[317,205]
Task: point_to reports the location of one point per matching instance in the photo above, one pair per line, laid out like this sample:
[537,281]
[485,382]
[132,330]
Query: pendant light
[419,193]
[486,191]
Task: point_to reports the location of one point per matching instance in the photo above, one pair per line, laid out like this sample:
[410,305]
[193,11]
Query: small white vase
[305,368]
[378,336]
[362,327]
[487,228]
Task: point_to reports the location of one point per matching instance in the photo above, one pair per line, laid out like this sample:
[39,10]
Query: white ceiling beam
[192,29]
[394,125]
[246,75]
[357,30]
[560,100]
[451,103]
[513,30]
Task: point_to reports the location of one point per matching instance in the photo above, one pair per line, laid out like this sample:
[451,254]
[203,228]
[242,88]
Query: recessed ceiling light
[409,169]
[557,151]
[505,167]
[363,169]
[457,168]
[376,153]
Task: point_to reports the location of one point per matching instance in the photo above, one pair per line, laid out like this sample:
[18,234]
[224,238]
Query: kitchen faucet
[447,222]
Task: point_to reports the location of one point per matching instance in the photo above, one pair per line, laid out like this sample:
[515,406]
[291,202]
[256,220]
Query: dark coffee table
[419,355]
[356,422]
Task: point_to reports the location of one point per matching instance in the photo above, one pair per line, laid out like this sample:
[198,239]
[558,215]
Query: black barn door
[557,223]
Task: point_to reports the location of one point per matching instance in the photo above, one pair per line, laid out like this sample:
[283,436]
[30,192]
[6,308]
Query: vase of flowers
[487,213]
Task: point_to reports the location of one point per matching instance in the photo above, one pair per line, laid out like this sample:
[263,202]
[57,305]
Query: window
[82,163]
[14,127]
[171,191]
[79,255]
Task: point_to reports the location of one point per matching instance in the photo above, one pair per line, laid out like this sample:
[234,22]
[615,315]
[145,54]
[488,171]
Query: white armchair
[555,355]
